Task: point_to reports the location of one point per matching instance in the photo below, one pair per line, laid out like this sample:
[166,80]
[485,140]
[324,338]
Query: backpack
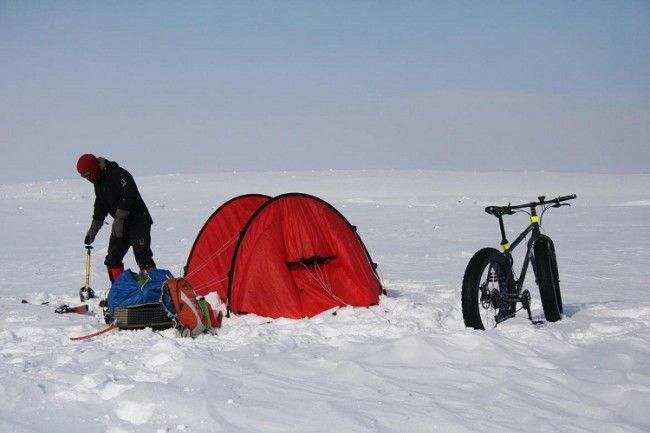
[191,316]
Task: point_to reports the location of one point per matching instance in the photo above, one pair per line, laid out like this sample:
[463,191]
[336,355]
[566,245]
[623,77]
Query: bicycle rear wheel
[483,291]
[548,279]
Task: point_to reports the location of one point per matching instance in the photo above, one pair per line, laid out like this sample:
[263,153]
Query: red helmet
[88,167]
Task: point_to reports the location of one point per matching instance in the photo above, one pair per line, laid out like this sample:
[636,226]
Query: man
[117,194]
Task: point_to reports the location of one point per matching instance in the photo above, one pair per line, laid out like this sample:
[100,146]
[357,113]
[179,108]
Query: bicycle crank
[495,298]
[525,300]
[525,304]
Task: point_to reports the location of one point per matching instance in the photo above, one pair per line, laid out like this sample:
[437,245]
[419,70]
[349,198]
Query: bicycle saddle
[499,210]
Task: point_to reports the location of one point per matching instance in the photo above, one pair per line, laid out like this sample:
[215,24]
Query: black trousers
[136,237]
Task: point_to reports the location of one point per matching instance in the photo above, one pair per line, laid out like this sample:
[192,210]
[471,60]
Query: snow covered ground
[407,365]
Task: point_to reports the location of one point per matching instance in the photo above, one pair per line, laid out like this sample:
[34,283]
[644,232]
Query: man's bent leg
[117,248]
[140,239]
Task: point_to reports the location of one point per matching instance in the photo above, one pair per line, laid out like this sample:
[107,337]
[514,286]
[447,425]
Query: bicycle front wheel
[548,279]
[483,289]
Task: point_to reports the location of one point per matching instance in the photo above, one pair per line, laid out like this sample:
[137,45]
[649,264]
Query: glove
[118,222]
[92,231]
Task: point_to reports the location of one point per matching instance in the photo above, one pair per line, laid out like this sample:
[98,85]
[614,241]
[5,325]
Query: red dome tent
[292,256]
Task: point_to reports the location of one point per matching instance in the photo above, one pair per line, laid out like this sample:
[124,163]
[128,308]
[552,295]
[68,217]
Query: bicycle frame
[521,295]
[509,247]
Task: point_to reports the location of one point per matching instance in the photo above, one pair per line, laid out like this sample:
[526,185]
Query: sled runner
[143,316]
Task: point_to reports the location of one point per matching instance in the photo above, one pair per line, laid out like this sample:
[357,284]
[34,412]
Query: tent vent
[310,261]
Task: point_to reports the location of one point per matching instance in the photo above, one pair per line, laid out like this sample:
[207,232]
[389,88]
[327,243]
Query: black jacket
[116,189]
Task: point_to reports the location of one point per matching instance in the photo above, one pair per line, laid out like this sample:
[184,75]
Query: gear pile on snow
[153,298]
[291,256]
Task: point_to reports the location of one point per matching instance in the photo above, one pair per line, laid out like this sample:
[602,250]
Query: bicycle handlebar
[566,197]
[510,209]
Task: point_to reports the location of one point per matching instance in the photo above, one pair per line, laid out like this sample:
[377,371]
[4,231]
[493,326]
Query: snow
[406,365]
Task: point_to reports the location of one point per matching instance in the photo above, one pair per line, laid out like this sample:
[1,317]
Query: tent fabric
[211,255]
[295,256]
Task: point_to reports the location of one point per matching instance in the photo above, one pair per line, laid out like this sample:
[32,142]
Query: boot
[115,272]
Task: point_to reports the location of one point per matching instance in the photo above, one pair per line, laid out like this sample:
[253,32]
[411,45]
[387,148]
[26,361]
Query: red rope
[95,334]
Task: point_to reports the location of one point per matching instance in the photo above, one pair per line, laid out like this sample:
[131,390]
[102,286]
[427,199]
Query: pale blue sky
[164,87]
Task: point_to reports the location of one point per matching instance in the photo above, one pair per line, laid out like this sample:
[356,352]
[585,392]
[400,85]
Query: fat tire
[556,274]
[548,279]
[472,282]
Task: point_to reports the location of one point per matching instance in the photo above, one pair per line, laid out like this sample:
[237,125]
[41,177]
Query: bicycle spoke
[489,313]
